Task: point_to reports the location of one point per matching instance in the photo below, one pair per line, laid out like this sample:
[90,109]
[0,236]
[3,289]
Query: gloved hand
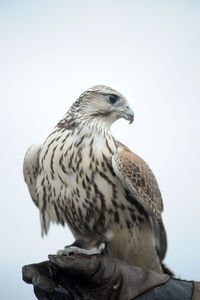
[90,277]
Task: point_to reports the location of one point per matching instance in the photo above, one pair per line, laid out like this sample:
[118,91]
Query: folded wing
[137,177]
[31,169]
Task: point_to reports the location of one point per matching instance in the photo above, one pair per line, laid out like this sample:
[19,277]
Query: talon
[72,250]
[102,248]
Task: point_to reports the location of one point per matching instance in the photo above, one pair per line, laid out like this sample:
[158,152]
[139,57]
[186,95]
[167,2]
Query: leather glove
[90,277]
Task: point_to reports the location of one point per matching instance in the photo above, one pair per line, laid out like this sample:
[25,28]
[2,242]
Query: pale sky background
[51,51]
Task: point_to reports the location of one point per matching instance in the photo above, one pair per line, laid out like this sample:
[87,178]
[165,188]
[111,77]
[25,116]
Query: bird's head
[103,104]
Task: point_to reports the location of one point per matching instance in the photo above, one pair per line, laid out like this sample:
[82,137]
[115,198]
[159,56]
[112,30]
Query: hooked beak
[127,113]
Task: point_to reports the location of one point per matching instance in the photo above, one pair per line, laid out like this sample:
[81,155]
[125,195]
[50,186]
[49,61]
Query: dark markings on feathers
[78,132]
[64,140]
[79,151]
[71,160]
[80,213]
[40,170]
[77,179]
[86,227]
[57,139]
[88,190]
[142,182]
[44,222]
[136,170]
[94,200]
[61,179]
[52,133]
[81,173]
[111,170]
[61,164]
[68,217]
[91,151]
[43,205]
[148,190]
[139,207]
[73,206]
[122,206]
[62,130]
[101,113]
[89,136]
[77,192]
[47,149]
[68,149]
[102,198]
[104,157]
[52,157]
[83,184]
[140,219]
[44,196]
[92,140]
[116,217]
[111,152]
[115,204]
[104,176]
[79,142]
[108,164]
[87,178]
[68,124]
[79,161]
[52,176]
[133,217]
[114,191]
[57,214]
[88,215]
[49,198]
[103,166]
[87,201]
[128,224]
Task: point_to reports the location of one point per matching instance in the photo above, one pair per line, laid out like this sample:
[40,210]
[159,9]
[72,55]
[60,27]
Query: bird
[83,177]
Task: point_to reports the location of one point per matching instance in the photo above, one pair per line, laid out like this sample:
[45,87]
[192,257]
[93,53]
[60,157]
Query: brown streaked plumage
[83,177]
[136,174]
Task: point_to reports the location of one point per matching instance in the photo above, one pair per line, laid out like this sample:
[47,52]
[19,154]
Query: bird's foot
[71,250]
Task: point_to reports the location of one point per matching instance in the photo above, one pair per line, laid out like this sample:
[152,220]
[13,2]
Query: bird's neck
[98,134]
[72,121]
[95,131]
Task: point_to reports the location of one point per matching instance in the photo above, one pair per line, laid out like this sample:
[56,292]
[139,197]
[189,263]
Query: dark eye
[113,98]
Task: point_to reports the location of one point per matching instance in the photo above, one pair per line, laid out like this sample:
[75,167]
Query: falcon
[83,177]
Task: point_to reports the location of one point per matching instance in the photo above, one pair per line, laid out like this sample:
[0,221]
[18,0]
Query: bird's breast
[77,167]
[83,189]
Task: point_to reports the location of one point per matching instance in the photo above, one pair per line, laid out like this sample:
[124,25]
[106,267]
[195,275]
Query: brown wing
[136,175]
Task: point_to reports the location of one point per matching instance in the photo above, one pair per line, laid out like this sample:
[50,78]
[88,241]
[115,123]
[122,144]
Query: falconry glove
[89,277]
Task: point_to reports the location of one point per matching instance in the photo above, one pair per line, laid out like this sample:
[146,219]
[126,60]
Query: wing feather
[137,177]
[31,169]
